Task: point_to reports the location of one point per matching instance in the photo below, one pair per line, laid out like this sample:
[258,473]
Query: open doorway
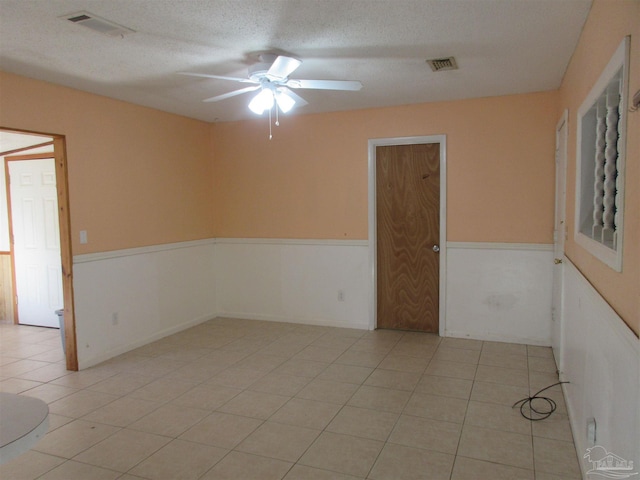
[27,148]
[34,238]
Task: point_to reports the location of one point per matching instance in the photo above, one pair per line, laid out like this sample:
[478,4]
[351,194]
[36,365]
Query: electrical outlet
[115,318]
[341,295]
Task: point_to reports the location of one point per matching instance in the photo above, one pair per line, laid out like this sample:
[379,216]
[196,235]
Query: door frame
[66,257]
[373,247]
[560,210]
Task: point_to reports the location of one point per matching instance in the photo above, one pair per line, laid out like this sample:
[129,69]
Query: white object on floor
[23,421]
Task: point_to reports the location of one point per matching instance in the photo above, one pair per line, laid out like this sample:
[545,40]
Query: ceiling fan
[271,78]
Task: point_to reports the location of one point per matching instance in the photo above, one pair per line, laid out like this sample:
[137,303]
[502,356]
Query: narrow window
[600,163]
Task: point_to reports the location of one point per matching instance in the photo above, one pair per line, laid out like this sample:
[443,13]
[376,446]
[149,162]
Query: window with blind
[600,163]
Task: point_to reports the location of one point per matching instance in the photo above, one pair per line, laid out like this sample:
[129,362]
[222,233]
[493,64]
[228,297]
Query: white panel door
[559,234]
[36,241]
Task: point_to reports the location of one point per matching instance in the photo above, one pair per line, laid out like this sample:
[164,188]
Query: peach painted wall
[310,180]
[608,23]
[137,176]
[141,177]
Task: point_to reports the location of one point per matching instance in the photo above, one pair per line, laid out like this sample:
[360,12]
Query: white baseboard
[108,354]
[507,338]
[320,322]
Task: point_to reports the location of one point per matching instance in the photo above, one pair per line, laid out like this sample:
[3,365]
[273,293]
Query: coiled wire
[541,414]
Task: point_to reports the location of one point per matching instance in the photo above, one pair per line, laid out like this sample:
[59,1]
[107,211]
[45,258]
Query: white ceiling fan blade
[300,102]
[282,67]
[352,85]
[218,77]
[224,96]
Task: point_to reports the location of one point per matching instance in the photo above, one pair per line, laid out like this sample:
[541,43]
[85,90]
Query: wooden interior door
[408,236]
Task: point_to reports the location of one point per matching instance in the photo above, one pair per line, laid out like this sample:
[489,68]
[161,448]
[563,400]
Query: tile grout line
[465,415]
[276,335]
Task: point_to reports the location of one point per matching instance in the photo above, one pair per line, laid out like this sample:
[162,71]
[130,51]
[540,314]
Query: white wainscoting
[499,292]
[600,356]
[155,291]
[294,281]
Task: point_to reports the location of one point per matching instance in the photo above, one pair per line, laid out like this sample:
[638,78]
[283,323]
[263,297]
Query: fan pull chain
[277,122]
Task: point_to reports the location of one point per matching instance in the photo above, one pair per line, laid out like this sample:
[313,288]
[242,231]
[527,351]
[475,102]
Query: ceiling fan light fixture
[262,101]
[284,101]
[271,78]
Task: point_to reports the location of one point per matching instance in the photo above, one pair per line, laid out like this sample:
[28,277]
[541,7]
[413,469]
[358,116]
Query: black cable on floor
[542,413]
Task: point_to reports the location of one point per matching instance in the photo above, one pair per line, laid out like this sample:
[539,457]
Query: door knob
[557,261]
[436,248]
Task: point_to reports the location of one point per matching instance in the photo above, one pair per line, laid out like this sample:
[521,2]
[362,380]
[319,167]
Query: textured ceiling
[501,46]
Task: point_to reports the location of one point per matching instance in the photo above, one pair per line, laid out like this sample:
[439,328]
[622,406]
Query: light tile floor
[241,399]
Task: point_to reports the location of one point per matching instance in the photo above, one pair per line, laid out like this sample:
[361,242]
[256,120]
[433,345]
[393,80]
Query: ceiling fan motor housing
[258,71]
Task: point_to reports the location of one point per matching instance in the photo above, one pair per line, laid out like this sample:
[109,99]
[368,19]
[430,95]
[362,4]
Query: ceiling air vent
[98,24]
[440,64]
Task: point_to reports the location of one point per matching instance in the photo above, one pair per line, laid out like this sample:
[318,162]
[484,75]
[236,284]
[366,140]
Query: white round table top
[23,421]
